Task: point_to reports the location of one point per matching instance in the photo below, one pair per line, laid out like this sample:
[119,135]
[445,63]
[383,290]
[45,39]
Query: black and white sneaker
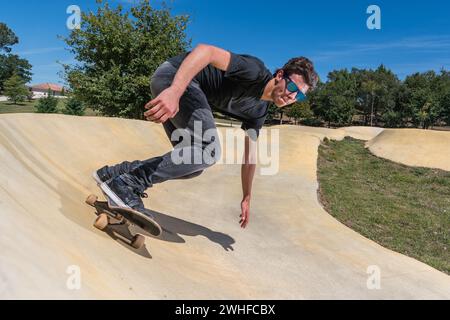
[122,195]
[101,175]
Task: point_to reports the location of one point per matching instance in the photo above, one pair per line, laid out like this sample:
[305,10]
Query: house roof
[47,86]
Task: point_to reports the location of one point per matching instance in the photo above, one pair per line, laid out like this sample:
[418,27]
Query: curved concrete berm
[292,248]
[413,147]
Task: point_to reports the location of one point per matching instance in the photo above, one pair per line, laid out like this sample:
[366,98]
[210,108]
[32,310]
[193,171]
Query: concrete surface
[413,147]
[292,248]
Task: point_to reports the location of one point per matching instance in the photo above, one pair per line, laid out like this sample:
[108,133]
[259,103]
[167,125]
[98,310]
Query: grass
[406,209]
[29,107]
[9,107]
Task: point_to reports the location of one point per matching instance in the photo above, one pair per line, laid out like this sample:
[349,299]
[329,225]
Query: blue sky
[414,36]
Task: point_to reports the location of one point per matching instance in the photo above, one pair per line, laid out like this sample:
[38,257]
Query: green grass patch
[406,209]
[29,107]
[9,107]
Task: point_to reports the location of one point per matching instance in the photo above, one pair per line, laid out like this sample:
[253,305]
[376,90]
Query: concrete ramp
[292,248]
[413,147]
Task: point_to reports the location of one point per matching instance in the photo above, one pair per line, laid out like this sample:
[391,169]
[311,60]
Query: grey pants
[193,107]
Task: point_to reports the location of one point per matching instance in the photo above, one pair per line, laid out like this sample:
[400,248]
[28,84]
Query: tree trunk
[371,112]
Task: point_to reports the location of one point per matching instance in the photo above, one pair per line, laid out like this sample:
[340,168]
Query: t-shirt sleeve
[245,68]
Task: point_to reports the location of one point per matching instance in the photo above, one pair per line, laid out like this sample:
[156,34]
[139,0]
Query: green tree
[74,107]
[272,113]
[11,64]
[443,89]
[7,38]
[423,99]
[371,87]
[118,52]
[376,93]
[445,101]
[15,89]
[335,100]
[386,93]
[48,104]
[300,111]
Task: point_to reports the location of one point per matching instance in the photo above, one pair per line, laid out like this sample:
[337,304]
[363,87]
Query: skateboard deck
[107,213]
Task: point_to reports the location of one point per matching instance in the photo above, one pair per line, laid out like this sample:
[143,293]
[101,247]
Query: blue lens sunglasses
[292,87]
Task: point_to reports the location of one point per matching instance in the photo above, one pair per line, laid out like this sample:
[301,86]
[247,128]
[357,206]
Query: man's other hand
[245,212]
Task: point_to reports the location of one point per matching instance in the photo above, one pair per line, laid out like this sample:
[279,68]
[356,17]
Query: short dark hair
[301,66]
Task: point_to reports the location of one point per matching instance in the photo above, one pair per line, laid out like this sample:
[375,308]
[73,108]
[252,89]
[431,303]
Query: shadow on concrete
[172,228]
[172,231]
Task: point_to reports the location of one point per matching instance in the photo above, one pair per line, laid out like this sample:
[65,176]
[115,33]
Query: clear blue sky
[414,36]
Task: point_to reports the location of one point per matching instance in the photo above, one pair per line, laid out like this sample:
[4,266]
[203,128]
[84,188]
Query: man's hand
[245,215]
[165,106]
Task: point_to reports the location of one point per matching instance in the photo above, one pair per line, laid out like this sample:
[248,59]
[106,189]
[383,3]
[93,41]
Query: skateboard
[110,216]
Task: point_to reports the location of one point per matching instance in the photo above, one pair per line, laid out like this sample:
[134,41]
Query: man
[185,88]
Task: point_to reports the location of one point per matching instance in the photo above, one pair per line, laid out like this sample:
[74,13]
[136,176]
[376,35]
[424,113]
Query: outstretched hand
[165,106]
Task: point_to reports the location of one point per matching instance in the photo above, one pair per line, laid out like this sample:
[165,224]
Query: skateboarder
[185,88]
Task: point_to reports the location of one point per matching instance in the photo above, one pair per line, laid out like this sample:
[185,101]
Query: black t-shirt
[236,92]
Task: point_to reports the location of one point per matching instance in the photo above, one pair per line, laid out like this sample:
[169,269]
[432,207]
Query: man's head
[293,81]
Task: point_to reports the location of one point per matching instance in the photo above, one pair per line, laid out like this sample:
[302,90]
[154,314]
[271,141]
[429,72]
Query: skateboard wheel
[138,241]
[91,200]
[101,222]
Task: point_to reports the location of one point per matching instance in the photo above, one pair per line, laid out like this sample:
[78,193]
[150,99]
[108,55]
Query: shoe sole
[114,198]
[118,203]
[97,178]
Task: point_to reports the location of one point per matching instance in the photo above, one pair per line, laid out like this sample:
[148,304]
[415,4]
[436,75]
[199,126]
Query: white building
[41,90]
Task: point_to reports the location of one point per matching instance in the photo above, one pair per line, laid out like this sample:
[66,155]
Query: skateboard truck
[108,216]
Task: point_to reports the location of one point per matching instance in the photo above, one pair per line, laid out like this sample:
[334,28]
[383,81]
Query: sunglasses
[292,87]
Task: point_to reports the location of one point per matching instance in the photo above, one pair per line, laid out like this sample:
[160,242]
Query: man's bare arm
[248,168]
[247,174]
[199,58]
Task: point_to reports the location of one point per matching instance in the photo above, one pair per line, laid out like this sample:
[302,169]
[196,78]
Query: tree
[300,110]
[11,64]
[74,107]
[423,98]
[376,93]
[445,101]
[48,104]
[15,89]
[118,53]
[7,38]
[272,112]
[371,87]
[30,95]
[443,89]
[335,100]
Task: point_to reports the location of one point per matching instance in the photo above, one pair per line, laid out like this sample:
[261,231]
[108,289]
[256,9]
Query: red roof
[47,86]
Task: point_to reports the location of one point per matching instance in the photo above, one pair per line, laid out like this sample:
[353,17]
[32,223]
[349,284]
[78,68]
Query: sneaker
[101,175]
[122,195]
